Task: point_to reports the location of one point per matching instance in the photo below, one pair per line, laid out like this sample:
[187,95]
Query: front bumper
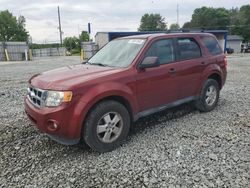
[68,126]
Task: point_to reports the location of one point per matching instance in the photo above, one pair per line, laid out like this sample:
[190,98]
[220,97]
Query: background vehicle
[129,78]
[245,47]
[230,50]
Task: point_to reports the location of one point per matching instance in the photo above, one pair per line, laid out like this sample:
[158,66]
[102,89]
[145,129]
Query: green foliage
[11,28]
[75,51]
[152,22]
[84,37]
[71,43]
[240,22]
[174,26]
[209,18]
[187,25]
[244,22]
[237,21]
[39,46]
[234,27]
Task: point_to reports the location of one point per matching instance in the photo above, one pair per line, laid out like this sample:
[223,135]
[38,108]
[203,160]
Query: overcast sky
[104,15]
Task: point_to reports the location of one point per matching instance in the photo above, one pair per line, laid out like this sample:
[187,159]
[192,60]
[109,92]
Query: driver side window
[163,49]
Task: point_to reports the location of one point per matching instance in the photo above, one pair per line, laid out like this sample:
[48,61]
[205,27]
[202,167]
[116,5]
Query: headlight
[55,98]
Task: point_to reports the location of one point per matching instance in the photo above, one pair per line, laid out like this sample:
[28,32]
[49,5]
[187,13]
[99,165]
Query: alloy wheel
[211,95]
[109,127]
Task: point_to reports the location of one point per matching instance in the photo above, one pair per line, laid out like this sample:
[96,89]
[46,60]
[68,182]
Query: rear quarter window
[211,44]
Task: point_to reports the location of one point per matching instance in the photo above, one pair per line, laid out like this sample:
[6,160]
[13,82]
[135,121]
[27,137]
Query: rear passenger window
[163,49]
[211,44]
[188,48]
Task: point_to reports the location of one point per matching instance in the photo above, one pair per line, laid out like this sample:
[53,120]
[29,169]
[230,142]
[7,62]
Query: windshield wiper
[99,64]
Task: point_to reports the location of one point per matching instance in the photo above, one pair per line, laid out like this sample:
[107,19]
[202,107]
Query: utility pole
[60,28]
[177,14]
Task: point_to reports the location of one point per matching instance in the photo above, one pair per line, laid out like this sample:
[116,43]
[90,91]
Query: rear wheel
[106,126]
[209,96]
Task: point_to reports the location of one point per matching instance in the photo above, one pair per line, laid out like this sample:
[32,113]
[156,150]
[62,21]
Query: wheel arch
[217,77]
[122,100]
[211,72]
[116,98]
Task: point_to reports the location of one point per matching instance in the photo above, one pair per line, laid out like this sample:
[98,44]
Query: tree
[234,21]
[187,25]
[71,43]
[174,26]
[244,22]
[11,28]
[84,37]
[240,22]
[209,18]
[152,22]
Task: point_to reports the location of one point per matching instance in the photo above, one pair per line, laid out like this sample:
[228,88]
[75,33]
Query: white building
[234,42]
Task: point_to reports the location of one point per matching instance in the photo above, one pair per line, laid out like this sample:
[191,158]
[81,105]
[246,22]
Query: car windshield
[118,53]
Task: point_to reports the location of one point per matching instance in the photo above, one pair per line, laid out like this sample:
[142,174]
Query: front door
[158,86]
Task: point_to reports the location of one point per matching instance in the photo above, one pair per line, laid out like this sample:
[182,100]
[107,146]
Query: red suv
[127,79]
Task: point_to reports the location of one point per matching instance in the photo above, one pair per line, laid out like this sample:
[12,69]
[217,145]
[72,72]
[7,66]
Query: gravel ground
[180,147]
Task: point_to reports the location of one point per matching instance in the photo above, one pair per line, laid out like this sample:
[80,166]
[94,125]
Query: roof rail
[202,30]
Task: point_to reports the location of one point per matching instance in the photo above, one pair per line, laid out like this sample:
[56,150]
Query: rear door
[215,53]
[158,86]
[192,64]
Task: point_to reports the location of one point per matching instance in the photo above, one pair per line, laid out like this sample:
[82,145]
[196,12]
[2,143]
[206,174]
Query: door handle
[172,71]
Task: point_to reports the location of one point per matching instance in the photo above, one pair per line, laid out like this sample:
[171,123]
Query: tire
[209,96]
[106,126]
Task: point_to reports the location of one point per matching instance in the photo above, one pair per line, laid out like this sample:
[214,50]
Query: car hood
[67,77]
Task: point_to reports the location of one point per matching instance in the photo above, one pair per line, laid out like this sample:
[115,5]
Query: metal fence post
[6,51]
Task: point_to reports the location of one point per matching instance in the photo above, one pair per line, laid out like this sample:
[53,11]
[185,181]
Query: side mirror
[149,62]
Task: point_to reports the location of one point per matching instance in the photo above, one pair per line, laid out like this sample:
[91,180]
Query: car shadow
[160,117]
[149,122]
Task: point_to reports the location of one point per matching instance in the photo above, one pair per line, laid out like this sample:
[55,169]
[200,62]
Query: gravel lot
[180,147]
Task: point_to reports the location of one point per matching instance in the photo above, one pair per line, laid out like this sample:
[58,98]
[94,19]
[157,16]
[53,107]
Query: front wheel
[209,96]
[106,126]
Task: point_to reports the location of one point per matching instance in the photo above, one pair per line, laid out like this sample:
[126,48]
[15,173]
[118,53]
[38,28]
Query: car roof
[156,35]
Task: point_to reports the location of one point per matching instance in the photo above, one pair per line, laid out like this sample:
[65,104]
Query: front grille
[36,96]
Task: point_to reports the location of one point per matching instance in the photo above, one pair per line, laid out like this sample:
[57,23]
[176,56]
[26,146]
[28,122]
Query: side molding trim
[164,107]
